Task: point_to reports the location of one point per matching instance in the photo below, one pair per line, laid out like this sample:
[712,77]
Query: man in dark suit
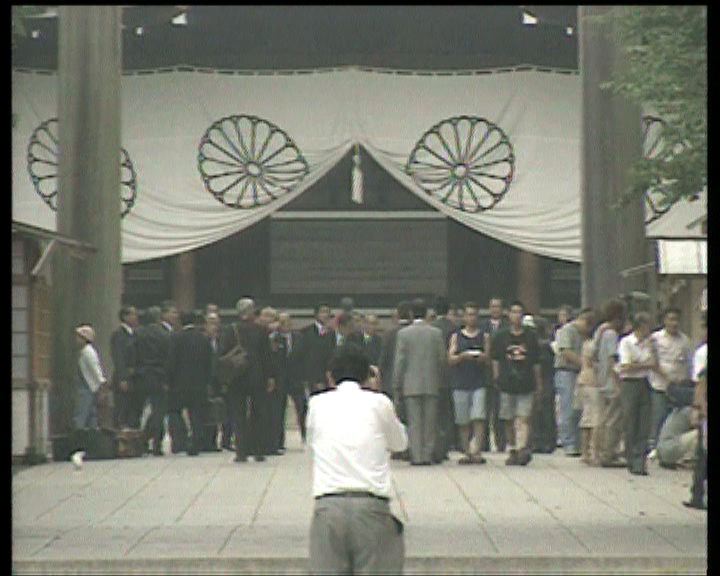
[346,331]
[287,350]
[128,399]
[489,328]
[212,329]
[447,431]
[318,346]
[189,371]
[176,425]
[153,346]
[371,340]
[252,387]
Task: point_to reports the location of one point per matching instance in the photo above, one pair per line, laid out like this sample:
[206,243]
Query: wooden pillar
[183,281]
[529,278]
[87,290]
[612,240]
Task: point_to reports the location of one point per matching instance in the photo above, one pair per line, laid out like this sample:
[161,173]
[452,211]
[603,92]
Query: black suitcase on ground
[62,447]
[100,445]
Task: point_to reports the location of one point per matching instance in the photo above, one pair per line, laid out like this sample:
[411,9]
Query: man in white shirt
[637,362]
[674,354]
[351,431]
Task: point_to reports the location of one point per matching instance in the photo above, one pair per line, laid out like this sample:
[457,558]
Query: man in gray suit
[417,376]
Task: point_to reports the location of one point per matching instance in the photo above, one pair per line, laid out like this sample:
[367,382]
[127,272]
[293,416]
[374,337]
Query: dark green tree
[18,15]
[665,54]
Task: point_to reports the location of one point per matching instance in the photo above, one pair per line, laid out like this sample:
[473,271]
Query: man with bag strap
[249,384]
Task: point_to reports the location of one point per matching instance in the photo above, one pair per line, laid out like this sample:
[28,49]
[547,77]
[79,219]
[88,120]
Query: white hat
[86,332]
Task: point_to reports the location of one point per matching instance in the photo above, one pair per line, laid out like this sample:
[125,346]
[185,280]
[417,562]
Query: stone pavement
[208,515]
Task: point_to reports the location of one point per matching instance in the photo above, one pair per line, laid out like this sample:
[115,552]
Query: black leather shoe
[696,505]
[192,453]
[524,457]
[260,458]
[240,459]
[512,459]
[613,464]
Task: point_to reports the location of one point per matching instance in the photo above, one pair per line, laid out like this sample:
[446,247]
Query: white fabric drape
[165,114]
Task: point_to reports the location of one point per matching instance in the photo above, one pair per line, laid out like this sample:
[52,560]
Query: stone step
[413,565]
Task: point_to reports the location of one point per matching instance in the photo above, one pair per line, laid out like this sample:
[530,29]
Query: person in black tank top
[467,357]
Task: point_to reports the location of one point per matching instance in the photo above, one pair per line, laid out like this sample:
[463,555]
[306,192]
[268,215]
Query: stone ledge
[413,565]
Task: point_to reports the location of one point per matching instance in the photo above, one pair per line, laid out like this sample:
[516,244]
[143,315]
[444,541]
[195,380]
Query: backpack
[233,364]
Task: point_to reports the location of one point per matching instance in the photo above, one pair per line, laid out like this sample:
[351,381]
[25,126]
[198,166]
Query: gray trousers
[636,408]
[355,535]
[422,426]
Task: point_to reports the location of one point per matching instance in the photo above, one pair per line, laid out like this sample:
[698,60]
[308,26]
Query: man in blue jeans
[567,366]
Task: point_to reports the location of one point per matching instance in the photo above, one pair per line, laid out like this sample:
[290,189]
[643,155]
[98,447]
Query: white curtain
[165,115]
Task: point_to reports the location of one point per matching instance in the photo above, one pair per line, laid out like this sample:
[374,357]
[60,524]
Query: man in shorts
[517,371]
[467,358]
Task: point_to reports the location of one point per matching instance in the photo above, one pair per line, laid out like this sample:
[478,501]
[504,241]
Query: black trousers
[129,406]
[299,400]
[492,409]
[177,430]
[635,394]
[122,402]
[697,491]
[196,414]
[250,416]
[155,427]
[544,423]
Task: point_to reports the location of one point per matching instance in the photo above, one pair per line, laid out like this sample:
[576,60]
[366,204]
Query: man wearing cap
[351,429]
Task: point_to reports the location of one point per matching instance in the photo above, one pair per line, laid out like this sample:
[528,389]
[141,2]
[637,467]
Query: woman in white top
[90,378]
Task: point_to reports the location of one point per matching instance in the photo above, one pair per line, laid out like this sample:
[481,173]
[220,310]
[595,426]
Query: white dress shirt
[127,328]
[350,432]
[699,362]
[631,351]
[674,356]
[90,368]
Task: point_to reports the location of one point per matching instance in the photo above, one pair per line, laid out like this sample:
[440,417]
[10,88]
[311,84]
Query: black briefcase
[101,444]
[62,447]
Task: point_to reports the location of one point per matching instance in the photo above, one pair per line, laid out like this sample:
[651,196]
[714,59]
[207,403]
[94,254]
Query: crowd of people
[601,386]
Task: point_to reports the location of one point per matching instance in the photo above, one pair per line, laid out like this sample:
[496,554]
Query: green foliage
[17,15]
[18,25]
[664,49]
